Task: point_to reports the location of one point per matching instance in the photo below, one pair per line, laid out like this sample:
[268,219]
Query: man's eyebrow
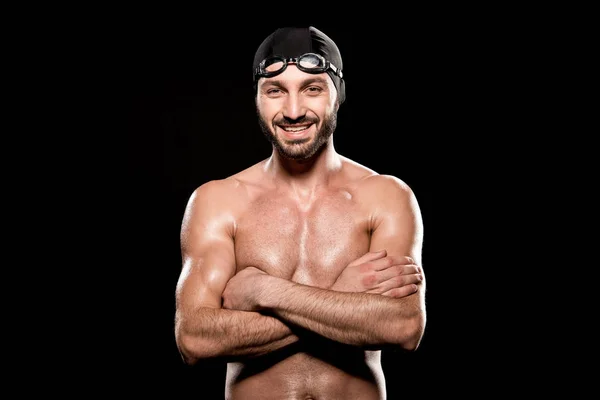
[305,82]
[314,80]
[273,82]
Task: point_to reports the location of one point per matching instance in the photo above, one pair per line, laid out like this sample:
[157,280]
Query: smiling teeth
[294,129]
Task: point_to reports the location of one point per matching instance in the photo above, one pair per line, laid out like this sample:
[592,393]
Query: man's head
[291,43]
[299,82]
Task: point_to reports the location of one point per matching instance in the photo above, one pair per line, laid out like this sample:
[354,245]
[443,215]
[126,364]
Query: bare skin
[298,273]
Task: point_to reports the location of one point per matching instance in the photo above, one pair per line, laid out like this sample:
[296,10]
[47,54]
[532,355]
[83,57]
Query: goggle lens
[309,62]
[274,65]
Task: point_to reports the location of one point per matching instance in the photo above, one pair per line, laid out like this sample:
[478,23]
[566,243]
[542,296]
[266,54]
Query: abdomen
[291,374]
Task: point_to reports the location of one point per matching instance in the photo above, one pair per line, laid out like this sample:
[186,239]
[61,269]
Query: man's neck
[305,175]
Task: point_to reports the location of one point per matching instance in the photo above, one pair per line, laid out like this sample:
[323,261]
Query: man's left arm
[362,319]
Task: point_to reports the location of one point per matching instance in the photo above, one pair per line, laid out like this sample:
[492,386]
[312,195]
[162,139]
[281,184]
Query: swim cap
[294,42]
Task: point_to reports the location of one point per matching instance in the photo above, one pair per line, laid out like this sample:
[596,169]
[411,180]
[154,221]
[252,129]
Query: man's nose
[294,107]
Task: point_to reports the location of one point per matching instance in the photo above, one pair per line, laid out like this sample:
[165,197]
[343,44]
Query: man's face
[297,111]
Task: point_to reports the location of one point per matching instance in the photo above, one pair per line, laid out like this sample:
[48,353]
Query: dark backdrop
[416,100]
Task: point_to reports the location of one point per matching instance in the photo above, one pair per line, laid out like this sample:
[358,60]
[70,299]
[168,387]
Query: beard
[299,149]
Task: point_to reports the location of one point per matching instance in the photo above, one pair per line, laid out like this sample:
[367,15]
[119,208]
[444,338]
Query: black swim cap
[293,42]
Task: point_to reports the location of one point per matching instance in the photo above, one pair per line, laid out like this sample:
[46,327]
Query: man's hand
[242,290]
[378,273]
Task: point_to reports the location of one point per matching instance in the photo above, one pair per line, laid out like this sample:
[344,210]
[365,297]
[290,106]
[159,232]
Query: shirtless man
[300,269]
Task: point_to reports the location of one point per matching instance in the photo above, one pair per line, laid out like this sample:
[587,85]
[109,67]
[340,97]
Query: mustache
[298,121]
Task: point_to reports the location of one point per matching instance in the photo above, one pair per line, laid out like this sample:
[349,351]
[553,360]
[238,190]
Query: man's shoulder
[386,183]
[382,192]
[210,198]
[216,188]
[372,183]
[228,193]
[367,176]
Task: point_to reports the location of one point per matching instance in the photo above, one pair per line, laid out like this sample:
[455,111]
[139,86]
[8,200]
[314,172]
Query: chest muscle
[309,245]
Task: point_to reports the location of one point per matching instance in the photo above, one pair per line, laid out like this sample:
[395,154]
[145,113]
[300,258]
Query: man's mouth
[295,128]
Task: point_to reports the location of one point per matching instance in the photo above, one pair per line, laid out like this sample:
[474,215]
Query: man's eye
[274,92]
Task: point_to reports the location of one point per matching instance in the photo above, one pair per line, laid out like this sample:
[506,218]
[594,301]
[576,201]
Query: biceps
[399,237]
[204,276]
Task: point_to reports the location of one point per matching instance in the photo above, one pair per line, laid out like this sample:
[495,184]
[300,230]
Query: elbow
[194,348]
[415,335]
[187,349]
[410,333]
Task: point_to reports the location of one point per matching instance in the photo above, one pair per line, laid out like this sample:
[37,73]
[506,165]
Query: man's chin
[293,154]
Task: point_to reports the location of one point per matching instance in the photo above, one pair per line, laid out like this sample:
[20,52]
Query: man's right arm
[203,329]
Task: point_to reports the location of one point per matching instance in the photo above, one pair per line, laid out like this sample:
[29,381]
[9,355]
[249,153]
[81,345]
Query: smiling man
[301,268]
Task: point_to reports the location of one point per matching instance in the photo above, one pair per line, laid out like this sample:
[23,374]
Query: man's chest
[309,244]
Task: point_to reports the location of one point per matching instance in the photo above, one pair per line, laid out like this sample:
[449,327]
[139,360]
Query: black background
[424,103]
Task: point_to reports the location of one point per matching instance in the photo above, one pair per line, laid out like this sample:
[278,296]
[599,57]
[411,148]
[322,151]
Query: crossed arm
[377,300]
[203,329]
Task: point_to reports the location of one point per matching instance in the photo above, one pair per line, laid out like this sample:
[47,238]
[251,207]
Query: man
[300,269]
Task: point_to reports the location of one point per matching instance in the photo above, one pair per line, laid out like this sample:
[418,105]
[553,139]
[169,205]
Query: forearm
[229,334]
[353,318]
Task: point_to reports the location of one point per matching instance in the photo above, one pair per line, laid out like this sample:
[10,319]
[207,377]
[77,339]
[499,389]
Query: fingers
[369,257]
[398,281]
[401,291]
[387,262]
[396,270]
